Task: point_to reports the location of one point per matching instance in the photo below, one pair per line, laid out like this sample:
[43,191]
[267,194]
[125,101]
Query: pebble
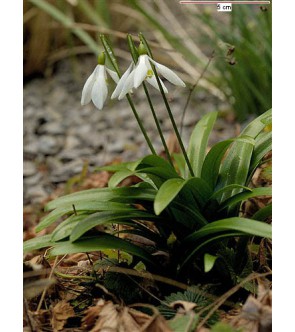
[61,134]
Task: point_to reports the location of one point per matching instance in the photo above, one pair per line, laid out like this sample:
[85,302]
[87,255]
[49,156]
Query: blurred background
[227,53]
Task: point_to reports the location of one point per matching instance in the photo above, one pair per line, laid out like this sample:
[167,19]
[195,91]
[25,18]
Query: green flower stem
[112,58]
[173,123]
[142,38]
[141,125]
[157,124]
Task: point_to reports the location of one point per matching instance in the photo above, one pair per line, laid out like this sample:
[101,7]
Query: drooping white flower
[96,86]
[142,71]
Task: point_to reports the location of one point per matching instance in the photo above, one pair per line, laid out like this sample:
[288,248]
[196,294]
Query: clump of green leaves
[186,219]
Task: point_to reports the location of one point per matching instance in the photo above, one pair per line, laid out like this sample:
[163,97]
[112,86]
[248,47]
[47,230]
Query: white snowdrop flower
[142,71]
[96,86]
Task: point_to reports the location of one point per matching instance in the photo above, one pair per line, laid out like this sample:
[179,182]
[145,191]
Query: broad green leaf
[64,229]
[157,163]
[119,177]
[262,146]
[199,140]
[106,217]
[264,191]
[235,168]
[209,261]
[79,206]
[171,188]
[37,242]
[168,191]
[160,172]
[211,165]
[243,225]
[103,194]
[255,127]
[263,213]
[230,187]
[180,163]
[98,243]
[220,229]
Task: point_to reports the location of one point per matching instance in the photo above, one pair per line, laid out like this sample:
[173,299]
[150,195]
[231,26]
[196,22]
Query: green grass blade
[68,23]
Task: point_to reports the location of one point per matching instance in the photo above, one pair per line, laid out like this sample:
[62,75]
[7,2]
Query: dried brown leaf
[60,314]
[107,316]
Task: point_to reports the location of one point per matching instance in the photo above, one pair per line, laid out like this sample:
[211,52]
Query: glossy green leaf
[64,229]
[230,187]
[118,177]
[254,128]
[199,140]
[211,165]
[102,194]
[235,167]
[98,243]
[243,225]
[263,213]
[106,217]
[209,261]
[262,146]
[220,229]
[180,163]
[168,191]
[37,242]
[79,205]
[171,188]
[256,192]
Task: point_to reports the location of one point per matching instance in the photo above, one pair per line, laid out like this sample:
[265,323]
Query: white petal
[140,71]
[129,84]
[86,92]
[113,75]
[168,73]
[121,82]
[153,82]
[100,90]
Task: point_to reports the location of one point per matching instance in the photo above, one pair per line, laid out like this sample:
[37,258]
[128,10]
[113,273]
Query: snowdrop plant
[187,208]
[96,86]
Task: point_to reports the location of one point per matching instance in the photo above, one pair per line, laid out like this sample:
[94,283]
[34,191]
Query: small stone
[49,145]
[36,193]
[67,171]
[29,168]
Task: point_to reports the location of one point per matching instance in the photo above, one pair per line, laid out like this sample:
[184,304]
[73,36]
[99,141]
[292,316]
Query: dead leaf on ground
[60,314]
[107,316]
[256,314]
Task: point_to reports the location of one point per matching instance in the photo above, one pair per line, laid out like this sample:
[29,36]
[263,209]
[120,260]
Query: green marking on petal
[149,73]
